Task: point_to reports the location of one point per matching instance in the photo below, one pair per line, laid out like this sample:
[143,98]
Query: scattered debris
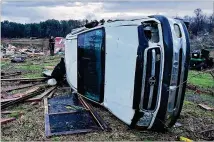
[18,60]
[6,75]
[35,54]
[28,94]
[205,107]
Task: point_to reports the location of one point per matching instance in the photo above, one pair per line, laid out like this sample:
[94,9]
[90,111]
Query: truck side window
[177,31]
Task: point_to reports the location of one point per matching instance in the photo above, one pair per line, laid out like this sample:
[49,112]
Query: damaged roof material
[121,66]
[69,114]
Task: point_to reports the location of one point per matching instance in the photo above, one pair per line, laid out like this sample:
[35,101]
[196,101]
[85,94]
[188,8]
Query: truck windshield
[90,68]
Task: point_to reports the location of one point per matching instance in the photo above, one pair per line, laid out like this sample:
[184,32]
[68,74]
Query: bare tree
[199,20]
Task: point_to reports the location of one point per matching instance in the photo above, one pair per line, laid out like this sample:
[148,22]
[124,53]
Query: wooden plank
[8,100]
[68,112]
[28,94]
[43,94]
[205,107]
[9,112]
[46,105]
[98,117]
[52,93]
[17,87]
[47,125]
[31,81]
[22,79]
[91,112]
[11,74]
[6,120]
[19,95]
[33,100]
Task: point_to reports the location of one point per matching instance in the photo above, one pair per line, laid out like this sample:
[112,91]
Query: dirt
[30,126]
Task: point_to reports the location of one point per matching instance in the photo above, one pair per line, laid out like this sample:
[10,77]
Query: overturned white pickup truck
[137,69]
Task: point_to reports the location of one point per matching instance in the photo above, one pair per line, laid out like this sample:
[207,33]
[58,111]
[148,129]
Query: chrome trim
[162,55]
[172,106]
[181,86]
[173,81]
[144,77]
[182,71]
[152,75]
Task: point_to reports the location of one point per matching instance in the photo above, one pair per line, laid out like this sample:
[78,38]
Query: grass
[55,138]
[200,79]
[196,111]
[14,114]
[4,63]
[51,64]
[30,68]
[30,75]
[200,98]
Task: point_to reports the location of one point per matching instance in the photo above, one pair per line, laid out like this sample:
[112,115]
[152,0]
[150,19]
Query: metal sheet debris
[68,114]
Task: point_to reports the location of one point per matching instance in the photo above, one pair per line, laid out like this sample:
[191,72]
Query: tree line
[200,23]
[40,30]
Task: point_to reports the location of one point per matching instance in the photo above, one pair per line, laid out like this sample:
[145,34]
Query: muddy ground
[30,126]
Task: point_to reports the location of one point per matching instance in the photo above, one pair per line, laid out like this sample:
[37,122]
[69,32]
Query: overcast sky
[35,11]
